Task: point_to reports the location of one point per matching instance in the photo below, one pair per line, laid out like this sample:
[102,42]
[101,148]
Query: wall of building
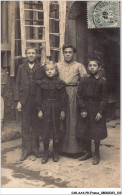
[11,56]
[103,43]
[6,81]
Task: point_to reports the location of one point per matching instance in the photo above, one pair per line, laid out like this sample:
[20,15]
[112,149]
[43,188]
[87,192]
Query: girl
[92,102]
[51,101]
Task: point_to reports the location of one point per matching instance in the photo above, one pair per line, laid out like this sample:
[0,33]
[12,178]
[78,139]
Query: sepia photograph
[60,95]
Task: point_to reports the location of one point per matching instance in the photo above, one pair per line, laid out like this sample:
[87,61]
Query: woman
[70,72]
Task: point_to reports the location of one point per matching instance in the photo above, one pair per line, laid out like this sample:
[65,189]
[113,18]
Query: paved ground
[10,131]
[67,172]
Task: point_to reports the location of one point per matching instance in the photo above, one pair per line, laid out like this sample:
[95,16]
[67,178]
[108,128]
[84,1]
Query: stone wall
[7,94]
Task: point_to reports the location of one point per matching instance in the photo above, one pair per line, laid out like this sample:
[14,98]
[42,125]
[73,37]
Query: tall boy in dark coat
[25,94]
[92,101]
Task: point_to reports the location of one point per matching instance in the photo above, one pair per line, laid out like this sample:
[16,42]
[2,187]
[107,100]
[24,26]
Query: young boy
[92,101]
[25,94]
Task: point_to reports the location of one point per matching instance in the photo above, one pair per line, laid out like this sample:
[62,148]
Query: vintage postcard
[60,97]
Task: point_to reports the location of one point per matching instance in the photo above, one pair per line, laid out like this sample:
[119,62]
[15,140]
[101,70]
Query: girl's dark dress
[51,100]
[92,98]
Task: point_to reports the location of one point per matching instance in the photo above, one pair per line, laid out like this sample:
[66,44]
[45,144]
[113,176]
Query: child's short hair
[65,46]
[31,46]
[96,59]
[50,63]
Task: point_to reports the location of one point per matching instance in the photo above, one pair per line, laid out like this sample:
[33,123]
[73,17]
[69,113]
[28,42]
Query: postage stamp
[103,14]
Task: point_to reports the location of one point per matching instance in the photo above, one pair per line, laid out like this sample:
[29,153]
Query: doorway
[103,43]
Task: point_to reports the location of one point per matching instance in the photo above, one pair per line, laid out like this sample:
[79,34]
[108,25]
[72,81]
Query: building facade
[101,42]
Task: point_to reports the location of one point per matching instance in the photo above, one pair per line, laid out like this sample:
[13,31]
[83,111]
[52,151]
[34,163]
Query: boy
[92,101]
[25,94]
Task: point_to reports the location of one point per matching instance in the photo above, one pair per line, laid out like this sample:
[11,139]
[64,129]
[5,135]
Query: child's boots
[55,152]
[96,157]
[89,152]
[46,153]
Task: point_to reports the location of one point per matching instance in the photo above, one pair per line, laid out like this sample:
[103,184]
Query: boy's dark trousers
[30,137]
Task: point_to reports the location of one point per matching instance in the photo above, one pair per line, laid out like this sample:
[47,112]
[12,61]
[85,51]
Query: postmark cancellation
[103,14]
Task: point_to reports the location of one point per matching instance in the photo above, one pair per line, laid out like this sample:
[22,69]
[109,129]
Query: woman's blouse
[70,73]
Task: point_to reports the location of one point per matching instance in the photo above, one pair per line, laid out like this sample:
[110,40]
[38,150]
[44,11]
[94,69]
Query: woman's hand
[40,115]
[83,114]
[62,115]
[19,107]
[98,117]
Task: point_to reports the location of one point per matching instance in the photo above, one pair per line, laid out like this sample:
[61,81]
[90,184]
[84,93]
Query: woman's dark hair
[96,59]
[68,46]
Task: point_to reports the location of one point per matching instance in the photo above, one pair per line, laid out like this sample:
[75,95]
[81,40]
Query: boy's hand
[83,114]
[40,114]
[98,117]
[19,107]
[62,115]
